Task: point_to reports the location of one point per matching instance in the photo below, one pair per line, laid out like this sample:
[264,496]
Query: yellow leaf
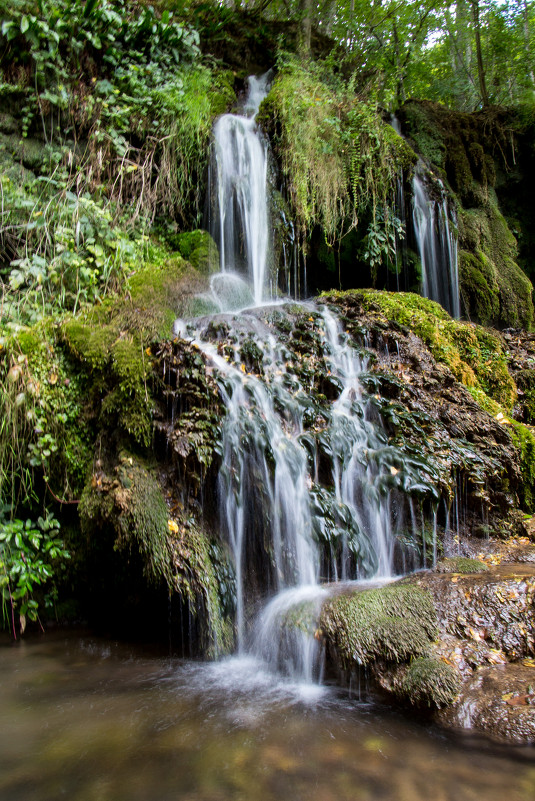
[172,526]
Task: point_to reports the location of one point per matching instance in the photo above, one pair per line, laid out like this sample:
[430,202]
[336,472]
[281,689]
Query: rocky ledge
[469,631]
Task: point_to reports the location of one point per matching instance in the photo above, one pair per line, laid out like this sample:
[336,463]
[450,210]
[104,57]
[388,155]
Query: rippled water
[82,718]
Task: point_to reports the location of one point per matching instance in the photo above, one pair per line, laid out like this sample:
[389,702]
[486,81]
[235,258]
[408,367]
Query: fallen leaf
[521,700]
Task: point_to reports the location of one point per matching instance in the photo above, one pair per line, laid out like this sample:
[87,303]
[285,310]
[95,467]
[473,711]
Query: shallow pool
[93,720]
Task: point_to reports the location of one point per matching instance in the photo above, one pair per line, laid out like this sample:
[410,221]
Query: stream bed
[89,719]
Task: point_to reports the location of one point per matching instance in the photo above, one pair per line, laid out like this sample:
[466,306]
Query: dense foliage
[106,109]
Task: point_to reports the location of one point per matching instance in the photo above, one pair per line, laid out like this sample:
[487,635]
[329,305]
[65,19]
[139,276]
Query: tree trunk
[529,61]
[306,25]
[479,54]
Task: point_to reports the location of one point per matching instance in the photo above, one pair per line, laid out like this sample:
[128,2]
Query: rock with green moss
[129,502]
[392,623]
[468,150]
[119,368]
[31,153]
[460,564]
[493,286]
[475,355]
[199,249]
[429,682]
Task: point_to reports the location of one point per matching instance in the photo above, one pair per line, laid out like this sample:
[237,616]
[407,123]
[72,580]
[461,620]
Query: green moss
[460,564]
[202,576]
[118,368]
[132,505]
[392,623]
[492,284]
[479,287]
[29,152]
[430,682]
[91,344]
[524,439]
[475,355]
[199,249]
[525,381]
[156,293]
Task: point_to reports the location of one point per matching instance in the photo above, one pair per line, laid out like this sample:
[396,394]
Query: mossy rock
[31,153]
[118,367]
[393,623]
[199,249]
[430,682]
[475,355]
[157,293]
[524,438]
[131,504]
[460,564]
[479,286]
[492,285]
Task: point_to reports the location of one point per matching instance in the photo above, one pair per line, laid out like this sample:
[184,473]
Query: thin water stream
[93,720]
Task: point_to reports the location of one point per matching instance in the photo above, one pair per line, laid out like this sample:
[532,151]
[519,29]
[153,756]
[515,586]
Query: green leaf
[89,6]
[24,24]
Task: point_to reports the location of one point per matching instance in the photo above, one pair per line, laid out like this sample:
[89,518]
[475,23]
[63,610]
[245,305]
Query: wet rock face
[431,411]
[499,701]
[493,607]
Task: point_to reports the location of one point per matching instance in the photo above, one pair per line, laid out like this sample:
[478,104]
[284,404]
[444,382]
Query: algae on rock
[393,623]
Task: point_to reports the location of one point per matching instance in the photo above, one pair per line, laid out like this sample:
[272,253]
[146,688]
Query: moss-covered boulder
[470,151]
[393,623]
[199,249]
[390,631]
[429,682]
[493,287]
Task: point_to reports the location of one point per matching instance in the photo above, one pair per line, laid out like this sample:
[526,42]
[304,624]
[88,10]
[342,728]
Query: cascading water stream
[437,246]
[241,223]
[309,490]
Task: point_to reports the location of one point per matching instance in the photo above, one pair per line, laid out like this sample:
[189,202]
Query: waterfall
[309,490]
[238,188]
[437,245]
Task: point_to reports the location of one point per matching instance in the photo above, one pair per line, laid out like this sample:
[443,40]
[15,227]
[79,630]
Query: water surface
[91,720]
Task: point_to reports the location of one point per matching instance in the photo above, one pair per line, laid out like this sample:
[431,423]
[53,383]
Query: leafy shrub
[28,552]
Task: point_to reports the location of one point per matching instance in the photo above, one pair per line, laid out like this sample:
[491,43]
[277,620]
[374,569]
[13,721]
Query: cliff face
[486,160]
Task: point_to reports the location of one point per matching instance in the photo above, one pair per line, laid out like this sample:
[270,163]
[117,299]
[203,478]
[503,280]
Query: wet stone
[499,701]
